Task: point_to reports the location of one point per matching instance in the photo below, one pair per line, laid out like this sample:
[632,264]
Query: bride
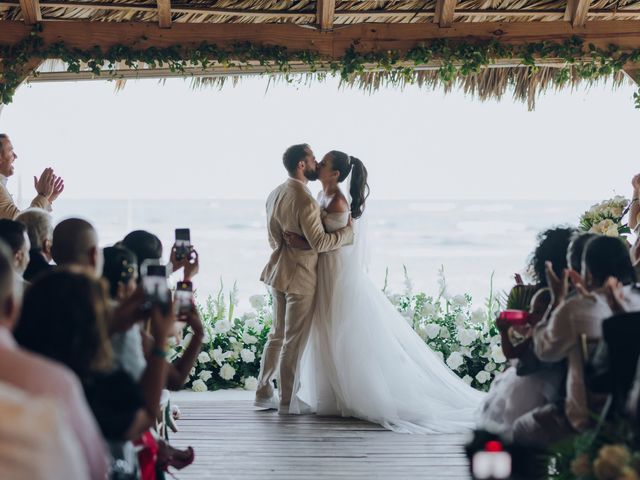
[363,359]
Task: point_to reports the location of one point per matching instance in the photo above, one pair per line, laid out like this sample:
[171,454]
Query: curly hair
[552,247]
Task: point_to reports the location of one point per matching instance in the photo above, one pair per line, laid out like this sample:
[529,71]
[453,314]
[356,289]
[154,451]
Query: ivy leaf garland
[452,58]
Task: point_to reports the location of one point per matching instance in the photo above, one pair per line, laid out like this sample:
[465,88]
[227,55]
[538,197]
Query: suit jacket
[291,208]
[37,265]
[9,210]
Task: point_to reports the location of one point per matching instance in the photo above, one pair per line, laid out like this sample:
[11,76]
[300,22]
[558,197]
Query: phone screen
[184,298]
[154,284]
[183,242]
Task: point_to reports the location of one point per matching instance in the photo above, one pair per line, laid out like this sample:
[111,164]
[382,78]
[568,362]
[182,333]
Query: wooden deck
[233,440]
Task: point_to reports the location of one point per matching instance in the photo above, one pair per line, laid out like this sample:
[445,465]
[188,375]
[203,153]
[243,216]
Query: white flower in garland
[483,377]
[249,339]
[478,316]
[205,375]
[444,332]
[461,320]
[247,356]
[250,383]
[455,360]
[222,327]
[459,301]
[467,379]
[497,355]
[204,357]
[427,310]
[490,367]
[432,330]
[199,386]
[466,336]
[257,301]
[227,372]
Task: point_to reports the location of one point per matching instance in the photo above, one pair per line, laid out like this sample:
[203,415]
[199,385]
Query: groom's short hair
[293,155]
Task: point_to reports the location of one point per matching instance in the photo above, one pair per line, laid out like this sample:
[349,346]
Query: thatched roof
[451,17]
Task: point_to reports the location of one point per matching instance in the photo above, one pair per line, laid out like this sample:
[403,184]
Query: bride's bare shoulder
[338,204]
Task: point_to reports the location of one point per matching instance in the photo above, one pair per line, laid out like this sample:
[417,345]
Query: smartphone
[517,317]
[154,285]
[184,298]
[183,243]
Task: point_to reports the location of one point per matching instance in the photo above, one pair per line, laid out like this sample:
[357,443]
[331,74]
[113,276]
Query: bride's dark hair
[359,188]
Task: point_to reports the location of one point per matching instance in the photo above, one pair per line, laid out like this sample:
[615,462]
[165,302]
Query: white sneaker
[266,403]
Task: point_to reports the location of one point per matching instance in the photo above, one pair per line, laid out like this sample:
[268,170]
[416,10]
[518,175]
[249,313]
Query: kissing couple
[337,345]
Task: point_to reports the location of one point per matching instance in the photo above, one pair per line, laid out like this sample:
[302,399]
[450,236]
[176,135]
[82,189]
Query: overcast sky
[167,140]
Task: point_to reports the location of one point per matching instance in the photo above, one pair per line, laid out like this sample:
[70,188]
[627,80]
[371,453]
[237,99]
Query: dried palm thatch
[492,82]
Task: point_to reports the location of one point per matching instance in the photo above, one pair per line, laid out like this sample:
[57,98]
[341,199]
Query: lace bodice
[331,221]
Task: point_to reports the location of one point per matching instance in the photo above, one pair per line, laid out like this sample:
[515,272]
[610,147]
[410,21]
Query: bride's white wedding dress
[364,360]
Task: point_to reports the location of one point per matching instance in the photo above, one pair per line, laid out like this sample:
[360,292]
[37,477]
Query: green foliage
[455,58]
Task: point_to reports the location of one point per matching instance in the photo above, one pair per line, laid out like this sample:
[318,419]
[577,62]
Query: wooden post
[325,11]
[164,13]
[31,11]
[444,12]
[576,12]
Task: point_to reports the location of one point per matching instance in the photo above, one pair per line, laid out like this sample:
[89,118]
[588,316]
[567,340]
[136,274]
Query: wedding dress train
[364,360]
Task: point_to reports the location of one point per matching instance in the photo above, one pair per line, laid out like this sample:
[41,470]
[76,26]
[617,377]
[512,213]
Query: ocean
[471,240]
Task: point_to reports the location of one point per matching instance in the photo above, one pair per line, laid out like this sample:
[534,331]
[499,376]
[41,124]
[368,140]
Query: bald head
[75,242]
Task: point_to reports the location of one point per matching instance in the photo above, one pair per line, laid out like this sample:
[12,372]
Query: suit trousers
[292,315]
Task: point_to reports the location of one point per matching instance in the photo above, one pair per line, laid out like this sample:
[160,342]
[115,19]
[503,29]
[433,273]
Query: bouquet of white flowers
[606,218]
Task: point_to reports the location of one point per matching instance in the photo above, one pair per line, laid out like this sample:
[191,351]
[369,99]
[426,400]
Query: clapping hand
[635,182]
[615,295]
[58,188]
[559,287]
[45,185]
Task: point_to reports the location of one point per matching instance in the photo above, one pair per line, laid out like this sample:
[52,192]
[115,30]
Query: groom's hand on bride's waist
[296,241]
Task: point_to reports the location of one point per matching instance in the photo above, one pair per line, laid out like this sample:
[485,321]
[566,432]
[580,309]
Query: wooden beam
[444,12]
[30,11]
[325,13]
[576,12]
[164,13]
[333,45]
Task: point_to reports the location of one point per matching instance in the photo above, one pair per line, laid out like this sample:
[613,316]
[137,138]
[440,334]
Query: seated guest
[36,442]
[14,234]
[48,186]
[40,231]
[43,378]
[64,318]
[559,335]
[75,243]
[148,246]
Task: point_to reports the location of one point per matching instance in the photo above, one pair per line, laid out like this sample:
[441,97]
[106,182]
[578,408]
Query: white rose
[467,379]
[257,301]
[460,320]
[205,375]
[478,316]
[222,326]
[204,357]
[250,316]
[199,386]
[459,300]
[249,339]
[247,356]
[258,328]
[490,367]
[432,330]
[444,333]
[483,377]
[250,383]
[466,336]
[427,310]
[455,360]
[497,355]
[227,372]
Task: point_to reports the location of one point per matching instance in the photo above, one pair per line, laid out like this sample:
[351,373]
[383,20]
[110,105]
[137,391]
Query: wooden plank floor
[233,440]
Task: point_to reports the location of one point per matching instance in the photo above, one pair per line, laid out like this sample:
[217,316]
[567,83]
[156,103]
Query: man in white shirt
[48,186]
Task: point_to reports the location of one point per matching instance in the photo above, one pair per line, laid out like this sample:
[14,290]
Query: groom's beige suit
[292,275]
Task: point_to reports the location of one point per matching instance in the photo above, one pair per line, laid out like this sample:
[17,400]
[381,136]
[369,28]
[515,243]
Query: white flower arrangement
[607,217]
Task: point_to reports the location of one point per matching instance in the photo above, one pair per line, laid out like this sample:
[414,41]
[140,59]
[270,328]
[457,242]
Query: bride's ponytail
[359,188]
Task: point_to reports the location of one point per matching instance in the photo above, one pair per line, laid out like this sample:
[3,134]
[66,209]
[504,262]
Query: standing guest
[43,378]
[40,231]
[48,186]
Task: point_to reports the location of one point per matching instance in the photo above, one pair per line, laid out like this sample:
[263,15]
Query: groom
[291,274]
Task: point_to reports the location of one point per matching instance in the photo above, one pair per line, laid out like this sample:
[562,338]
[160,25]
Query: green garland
[455,58]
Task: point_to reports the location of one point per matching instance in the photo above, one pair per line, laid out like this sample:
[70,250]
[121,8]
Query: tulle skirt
[364,360]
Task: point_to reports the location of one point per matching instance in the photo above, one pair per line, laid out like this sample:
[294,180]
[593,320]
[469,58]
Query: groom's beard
[311,175]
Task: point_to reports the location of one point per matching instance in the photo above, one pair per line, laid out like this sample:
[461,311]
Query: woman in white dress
[363,359]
